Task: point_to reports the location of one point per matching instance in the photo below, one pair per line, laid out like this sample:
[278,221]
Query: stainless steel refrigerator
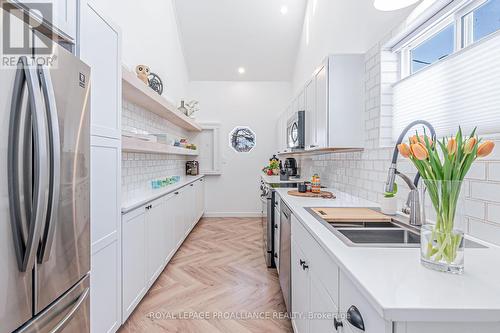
[44,194]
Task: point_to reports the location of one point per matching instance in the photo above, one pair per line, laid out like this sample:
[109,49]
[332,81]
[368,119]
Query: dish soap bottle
[316,184]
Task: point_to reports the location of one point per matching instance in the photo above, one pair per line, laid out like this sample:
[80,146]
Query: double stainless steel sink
[394,233]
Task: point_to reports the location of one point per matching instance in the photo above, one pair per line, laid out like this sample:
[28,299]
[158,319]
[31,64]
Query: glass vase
[442,235]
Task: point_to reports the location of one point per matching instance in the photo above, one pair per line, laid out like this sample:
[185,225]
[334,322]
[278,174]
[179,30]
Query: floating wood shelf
[134,145]
[135,91]
[319,151]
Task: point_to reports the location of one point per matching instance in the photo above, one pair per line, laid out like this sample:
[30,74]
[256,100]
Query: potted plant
[443,166]
[274,165]
[389,204]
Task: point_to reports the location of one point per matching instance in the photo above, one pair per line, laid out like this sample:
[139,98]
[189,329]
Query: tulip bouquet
[443,166]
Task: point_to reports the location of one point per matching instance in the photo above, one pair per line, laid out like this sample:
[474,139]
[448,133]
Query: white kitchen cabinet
[301,101]
[63,17]
[310,100]
[156,222]
[321,111]
[200,198]
[300,289]
[106,223]
[134,260]
[105,226]
[322,306]
[103,54]
[152,234]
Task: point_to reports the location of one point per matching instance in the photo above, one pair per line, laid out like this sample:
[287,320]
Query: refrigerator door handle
[72,312]
[55,164]
[26,249]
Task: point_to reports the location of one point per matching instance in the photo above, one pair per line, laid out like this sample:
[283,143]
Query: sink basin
[384,236]
[392,233]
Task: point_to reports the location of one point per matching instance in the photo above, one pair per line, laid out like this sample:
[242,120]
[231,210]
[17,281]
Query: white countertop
[142,197]
[276,180]
[396,284]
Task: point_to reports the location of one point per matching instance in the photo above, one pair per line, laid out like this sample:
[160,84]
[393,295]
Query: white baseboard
[232,214]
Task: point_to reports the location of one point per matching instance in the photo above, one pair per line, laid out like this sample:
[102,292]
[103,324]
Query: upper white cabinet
[64,15]
[334,103]
[100,47]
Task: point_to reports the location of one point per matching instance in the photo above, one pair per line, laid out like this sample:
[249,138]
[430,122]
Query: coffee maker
[291,167]
[192,168]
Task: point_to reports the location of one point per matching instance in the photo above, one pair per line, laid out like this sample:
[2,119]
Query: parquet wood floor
[219,273]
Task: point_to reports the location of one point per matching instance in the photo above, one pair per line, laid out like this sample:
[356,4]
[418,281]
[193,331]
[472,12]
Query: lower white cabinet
[301,294]
[134,264]
[152,234]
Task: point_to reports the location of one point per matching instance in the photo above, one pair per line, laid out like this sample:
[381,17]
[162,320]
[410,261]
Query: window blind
[461,90]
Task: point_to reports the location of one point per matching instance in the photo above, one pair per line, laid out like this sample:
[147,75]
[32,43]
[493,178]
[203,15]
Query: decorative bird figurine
[142,72]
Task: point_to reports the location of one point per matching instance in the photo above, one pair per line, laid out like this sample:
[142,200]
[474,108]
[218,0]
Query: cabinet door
[300,290]
[190,206]
[351,296]
[134,260]
[301,104]
[169,219]
[156,245]
[323,306]
[200,199]
[103,55]
[178,214]
[105,226]
[321,79]
[310,100]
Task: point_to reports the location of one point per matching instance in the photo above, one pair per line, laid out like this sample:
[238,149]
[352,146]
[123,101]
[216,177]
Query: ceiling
[219,36]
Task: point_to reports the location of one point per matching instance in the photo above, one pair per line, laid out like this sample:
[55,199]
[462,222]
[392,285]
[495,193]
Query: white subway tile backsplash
[494,171]
[485,191]
[493,213]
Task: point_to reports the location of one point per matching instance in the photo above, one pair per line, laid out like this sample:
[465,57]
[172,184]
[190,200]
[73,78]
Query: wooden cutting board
[350,215]
[322,194]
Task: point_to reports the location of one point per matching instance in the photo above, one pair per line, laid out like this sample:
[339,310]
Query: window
[435,48]
[458,27]
[242,139]
[482,21]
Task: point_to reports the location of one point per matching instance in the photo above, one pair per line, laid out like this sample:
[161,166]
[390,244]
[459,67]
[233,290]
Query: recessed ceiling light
[388,5]
[284,10]
[241,70]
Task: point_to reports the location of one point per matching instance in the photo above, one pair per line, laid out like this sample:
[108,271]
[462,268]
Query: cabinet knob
[191,185]
[176,193]
[303,264]
[337,324]
[276,255]
[275,226]
[355,319]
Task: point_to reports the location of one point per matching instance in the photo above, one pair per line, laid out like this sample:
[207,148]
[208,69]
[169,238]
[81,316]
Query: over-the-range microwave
[296,131]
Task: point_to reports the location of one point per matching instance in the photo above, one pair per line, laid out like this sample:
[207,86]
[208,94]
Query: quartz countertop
[395,283]
[142,197]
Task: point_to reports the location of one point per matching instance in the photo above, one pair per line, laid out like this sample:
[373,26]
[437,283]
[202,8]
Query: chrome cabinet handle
[337,324]
[26,246]
[55,164]
[72,312]
[355,319]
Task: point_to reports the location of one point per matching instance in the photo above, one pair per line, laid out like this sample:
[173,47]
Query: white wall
[150,37]
[253,104]
[329,28]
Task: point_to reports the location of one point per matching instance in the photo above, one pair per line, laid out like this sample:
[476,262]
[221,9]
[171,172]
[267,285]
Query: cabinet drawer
[351,296]
[320,263]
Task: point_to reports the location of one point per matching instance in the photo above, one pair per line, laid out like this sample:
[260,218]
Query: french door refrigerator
[44,194]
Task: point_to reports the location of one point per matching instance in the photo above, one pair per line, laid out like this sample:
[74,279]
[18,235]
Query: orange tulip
[419,151]
[422,139]
[469,145]
[414,139]
[485,148]
[452,146]
[404,150]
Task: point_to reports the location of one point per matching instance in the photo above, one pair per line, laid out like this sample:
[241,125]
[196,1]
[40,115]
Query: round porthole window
[242,139]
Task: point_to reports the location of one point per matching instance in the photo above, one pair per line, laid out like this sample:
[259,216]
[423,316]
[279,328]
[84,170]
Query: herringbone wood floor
[219,268]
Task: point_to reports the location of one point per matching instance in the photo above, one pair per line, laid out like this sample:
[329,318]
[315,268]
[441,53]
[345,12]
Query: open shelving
[319,151]
[135,91]
[134,145]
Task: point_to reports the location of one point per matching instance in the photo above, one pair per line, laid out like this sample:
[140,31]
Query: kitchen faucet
[412,206]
